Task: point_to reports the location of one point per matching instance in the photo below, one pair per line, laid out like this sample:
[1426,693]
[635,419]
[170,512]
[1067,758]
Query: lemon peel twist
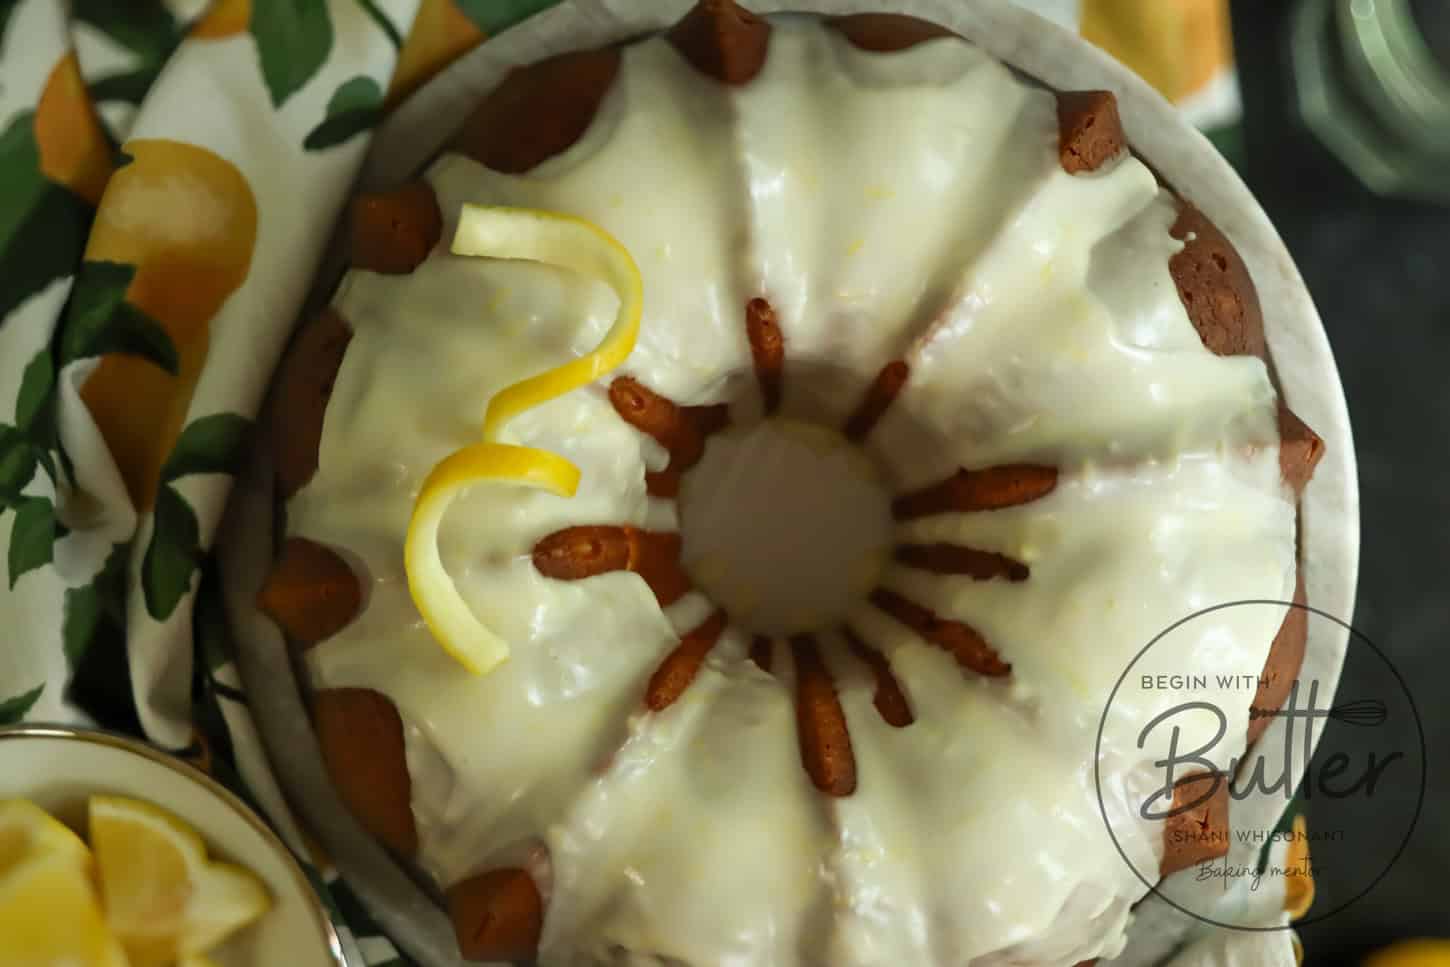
[535,236]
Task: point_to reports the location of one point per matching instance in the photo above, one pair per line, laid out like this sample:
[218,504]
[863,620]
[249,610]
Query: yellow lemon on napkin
[441,34]
[187,220]
[73,149]
[224,18]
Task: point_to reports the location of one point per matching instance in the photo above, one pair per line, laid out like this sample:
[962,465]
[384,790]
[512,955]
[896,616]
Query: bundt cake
[942,407]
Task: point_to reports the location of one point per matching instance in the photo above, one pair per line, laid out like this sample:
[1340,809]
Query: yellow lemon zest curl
[535,236]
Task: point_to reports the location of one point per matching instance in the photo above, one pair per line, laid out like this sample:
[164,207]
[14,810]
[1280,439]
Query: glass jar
[1373,83]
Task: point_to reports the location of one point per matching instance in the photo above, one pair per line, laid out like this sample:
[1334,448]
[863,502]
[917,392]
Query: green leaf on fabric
[211,444]
[491,16]
[20,173]
[209,621]
[100,681]
[81,613]
[173,554]
[355,106]
[35,415]
[380,18]
[65,461]
[47,463]
[7,7]
[17,465]
[87,606]
[43,226]
[32,536]
[14,709]
[293,39]
[37,385]
[129,87]
[146,29]
[99,319]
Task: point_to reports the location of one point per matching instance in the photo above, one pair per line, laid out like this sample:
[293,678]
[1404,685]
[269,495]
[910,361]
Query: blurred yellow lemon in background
[73,149]
[1412,953]
[224,18]
[441,34]
[1175,45]
[187,220]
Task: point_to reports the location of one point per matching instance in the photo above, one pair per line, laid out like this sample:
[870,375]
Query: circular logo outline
[1354,633]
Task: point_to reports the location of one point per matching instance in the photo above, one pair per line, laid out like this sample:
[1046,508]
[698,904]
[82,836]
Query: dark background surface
[1379,271]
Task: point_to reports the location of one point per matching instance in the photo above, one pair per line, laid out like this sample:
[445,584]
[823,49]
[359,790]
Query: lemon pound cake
[857,409]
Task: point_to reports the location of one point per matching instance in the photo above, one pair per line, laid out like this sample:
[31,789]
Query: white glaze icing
[909,204]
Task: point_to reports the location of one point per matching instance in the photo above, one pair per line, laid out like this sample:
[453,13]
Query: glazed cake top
[905,208]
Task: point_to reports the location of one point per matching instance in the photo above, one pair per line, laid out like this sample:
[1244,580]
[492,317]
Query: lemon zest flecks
[534,236]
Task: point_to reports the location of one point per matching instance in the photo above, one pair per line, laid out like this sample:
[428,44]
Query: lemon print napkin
[153,257]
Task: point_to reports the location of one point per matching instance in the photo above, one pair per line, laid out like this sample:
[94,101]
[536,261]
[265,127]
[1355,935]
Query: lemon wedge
[27,830]
[45,880]
[163,898]
[536,236]
[50,917]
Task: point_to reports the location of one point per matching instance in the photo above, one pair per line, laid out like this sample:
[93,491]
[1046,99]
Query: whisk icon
[1366,712]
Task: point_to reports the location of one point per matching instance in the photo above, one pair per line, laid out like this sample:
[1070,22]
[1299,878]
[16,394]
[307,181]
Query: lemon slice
[163,898]
[227,898]
[536,236]
[27,830]
[49,915]
[45,880]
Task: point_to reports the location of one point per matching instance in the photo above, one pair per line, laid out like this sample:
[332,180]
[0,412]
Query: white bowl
[59,768]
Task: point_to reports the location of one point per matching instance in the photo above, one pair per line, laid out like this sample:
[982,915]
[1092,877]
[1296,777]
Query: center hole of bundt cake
[785,525]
